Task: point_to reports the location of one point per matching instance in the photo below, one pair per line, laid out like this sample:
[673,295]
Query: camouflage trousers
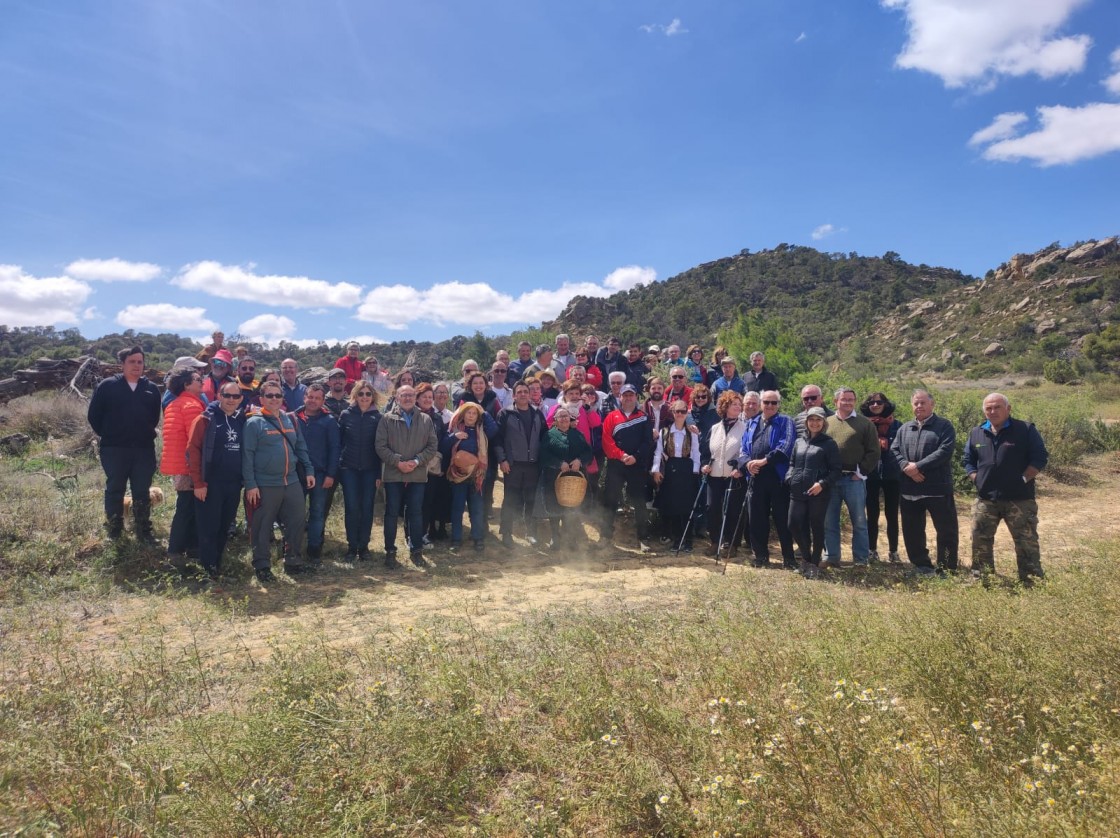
[1021,517]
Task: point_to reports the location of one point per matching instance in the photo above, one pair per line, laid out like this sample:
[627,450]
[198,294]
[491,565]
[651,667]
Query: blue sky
[330,169]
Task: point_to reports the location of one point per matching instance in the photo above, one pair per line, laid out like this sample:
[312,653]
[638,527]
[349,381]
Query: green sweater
[857,440]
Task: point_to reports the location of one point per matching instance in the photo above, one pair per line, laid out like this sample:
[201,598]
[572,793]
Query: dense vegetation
[822,297]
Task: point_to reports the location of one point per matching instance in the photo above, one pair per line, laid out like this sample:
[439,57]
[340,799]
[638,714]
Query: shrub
[40,416]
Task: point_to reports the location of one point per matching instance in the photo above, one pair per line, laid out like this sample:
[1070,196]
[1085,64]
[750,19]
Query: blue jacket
[322,437]
[721,385]
[781,439]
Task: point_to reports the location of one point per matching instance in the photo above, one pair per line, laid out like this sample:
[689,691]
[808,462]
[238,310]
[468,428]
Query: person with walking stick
[725,486]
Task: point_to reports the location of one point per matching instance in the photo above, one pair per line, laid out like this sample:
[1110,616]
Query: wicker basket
[571,486]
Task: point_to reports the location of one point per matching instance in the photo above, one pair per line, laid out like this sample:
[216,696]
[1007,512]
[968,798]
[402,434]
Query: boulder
[1047,325]
[946,354]
[14,443]
[1022,304]
[1046,259]
[1092,250]
[994,348]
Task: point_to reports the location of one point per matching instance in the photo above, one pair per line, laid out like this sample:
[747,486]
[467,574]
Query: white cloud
[977,41]
[1112,83]
[478,304]
[269,328]
[26,300]
[826,230]
[165,316]
[91,313]
[670,29]
[113,270]
[629,276]
[1003,126]
[800,38]
[1066,135]
[233,282]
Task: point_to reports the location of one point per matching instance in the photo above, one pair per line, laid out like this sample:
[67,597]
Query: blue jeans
[466,495]
[854,495]
[359,488]
[395,495]
[317,512]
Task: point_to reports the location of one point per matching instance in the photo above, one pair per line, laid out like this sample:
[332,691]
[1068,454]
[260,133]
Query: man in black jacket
[758,378]
[924,451]
[124,412]
[1003,456]
[517,448]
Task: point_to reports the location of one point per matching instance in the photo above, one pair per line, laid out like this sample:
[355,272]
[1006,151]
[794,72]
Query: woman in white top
[725,482]
[676,472]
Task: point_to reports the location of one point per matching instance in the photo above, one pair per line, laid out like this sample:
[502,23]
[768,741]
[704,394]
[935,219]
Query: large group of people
[706,455]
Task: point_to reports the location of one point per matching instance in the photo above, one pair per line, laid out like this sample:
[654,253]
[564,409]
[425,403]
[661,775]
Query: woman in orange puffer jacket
[188,404]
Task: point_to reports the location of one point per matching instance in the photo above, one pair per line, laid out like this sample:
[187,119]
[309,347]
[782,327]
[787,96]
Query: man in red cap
[221,371]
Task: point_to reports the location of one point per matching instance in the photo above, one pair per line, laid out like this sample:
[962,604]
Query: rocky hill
[1031,310]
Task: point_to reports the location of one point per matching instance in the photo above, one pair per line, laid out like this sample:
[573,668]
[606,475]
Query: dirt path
[347,605]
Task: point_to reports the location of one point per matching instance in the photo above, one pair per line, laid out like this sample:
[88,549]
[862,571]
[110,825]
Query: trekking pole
[740,525]
[723,518]
[692,514]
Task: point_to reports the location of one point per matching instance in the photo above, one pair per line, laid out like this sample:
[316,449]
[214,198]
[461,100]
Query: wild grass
[777,709]
[40,416]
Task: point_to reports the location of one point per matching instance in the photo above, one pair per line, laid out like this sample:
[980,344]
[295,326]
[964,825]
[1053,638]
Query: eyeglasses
[230,395]
[810,398]
[272,395]
[876,401]
[365,395]
[770,403]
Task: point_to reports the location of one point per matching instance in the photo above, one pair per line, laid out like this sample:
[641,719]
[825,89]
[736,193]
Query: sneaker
[364,555]
[455,548]
[685,551]
[351,557]
[873,556]
[507,541]
[315,555]
[391,560]
[532,540]
[826,564]
[418,559]
[861,562]
[894,557]
[297,568]
[644,548]
[264,574]
[479,547]
[426,542]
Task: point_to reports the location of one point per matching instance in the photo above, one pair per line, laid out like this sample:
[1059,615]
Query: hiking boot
[894,558]
[391,560]
[264,575]
[364,555]
[114,527]
[479,547]
[419,560]
[873,555]
[297,568]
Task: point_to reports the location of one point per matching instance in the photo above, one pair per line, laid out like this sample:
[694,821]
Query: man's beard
[246,378]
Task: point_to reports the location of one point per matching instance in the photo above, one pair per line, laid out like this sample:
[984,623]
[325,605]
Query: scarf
[882,426]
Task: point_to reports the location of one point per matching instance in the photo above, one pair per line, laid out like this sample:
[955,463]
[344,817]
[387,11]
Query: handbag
[463,465]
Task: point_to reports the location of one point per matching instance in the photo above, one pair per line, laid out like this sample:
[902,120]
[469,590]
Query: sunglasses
[674,377]
[231,395]
[248,369]
[272,395]
[218,364]
[810,398]
[680,412]
[770,403]
[876,401]
[499,371]
[699,397]
[365,395]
